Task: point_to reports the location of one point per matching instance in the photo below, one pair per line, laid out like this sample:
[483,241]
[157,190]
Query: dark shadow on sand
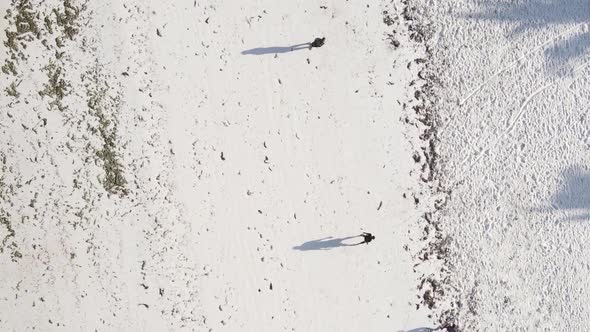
[572,200]
[575,192]
[275,49]
[535,15]
[326,243]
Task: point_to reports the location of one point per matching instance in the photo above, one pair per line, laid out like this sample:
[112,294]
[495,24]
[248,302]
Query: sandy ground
[165,165]
[175,165]
[513,128]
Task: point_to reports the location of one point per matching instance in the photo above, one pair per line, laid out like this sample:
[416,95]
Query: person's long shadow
[275,49]
[326,244]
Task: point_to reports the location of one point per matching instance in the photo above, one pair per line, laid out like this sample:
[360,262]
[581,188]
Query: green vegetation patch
[25,19]
[9,68]
[11,90]
[67,19]
[104,108]
[56,87]
[5,222]
[6,242]
[10,41]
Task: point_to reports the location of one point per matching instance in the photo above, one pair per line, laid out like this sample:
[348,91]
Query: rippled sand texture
[514,145]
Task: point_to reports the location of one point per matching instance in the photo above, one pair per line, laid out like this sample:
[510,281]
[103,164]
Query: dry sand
[154,177]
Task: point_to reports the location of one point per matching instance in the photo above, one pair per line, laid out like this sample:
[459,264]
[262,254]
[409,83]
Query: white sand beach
[194,166]
[167,165]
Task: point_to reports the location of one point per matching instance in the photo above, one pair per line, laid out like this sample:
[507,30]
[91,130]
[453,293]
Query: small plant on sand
[10,41]
[56,87]
[9,231]
[9,68]
[98,100]
[11,90]
[67,19]
[25,18]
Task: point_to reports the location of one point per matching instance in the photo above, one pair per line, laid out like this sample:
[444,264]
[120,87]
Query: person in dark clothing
[318,42]
[367,237]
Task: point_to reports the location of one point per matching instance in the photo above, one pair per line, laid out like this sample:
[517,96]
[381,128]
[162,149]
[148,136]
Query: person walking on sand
[367,237]
[318,42]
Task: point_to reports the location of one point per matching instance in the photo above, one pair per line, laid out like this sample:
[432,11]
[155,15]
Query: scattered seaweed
[434,287]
